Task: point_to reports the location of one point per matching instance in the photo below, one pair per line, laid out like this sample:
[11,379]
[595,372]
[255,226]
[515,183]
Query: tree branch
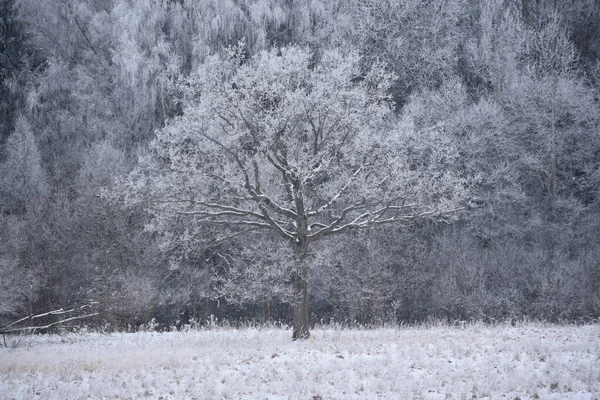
[11,328]
[371,223]
[339,193]
[62,321]
[54,312]
[328,228]
[241,223]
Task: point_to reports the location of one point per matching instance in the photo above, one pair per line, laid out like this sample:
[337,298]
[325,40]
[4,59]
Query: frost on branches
[302,146]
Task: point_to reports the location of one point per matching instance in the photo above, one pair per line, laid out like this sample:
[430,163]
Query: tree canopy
[299,146]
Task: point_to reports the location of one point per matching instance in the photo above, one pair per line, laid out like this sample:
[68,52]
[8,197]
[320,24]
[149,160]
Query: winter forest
[301,162]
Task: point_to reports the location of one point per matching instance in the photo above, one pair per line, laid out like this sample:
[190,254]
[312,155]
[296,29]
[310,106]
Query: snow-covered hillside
[530,361]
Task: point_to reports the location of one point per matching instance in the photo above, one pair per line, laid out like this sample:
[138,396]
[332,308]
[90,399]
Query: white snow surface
[528,361]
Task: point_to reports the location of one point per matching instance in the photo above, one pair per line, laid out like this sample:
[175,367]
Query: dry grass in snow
[474,362]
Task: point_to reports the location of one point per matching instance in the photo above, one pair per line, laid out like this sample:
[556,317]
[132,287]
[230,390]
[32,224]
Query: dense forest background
[85,84]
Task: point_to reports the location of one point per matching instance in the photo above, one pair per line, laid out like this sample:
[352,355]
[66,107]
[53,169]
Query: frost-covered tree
[418,39]
[17,59]
[23,190]
[22,181]
[303,149]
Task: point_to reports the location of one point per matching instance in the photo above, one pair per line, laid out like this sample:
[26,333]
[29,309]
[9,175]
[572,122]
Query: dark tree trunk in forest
[269,310]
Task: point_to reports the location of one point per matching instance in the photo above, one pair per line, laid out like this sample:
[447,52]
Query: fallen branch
[54,312]
[34,328]
[12,327]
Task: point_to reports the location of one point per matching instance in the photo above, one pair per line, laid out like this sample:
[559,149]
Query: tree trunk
[300,300]
[269,310]
[300,307]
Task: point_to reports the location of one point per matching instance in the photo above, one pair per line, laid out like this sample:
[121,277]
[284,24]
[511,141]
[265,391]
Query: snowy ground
[531,361]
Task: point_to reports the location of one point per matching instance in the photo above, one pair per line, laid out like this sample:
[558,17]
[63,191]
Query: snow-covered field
[530,361]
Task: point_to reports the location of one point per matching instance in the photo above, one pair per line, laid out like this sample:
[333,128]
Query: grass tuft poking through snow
[530,361]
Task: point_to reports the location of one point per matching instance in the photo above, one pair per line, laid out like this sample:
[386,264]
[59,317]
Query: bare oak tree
[303,147]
